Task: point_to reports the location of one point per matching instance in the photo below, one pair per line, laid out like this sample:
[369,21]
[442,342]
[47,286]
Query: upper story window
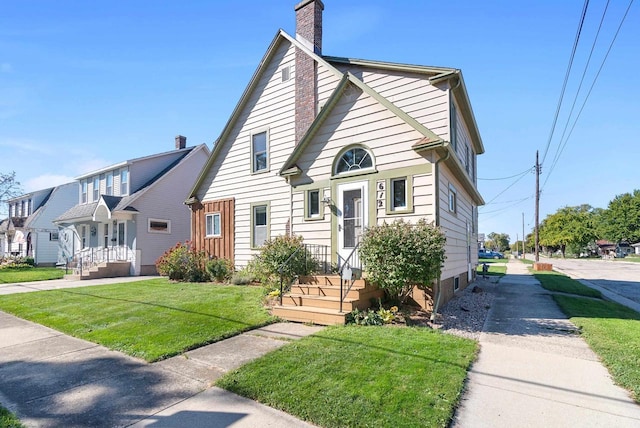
[29,207]
[96,188]
[124,181]
[109,187]
[83,195]
[259,152]
[355,158]
[23,212]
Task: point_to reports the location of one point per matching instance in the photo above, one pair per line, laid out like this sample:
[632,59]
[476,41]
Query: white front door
[352,218]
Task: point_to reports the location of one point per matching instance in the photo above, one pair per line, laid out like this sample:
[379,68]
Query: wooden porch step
[328,280]
[304,314]
[327,302]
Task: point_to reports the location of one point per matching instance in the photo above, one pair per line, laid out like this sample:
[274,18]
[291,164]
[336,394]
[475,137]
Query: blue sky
[88,84]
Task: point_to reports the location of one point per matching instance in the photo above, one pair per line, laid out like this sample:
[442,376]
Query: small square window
[259,151]
[53,236]
[399,194]
[313,203]
[212,224]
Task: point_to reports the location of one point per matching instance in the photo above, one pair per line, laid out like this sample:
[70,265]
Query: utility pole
[523,238]
[537,215]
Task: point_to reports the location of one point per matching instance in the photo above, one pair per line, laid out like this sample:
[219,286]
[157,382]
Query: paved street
[619,277]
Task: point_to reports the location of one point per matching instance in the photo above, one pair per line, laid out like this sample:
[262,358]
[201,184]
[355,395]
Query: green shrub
[401,255]
[265,266]
[242,277]
[183,263]
[220,269]
[30,261]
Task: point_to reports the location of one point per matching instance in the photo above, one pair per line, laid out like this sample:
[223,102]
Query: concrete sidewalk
[535,370]
[56,284]
[53,380]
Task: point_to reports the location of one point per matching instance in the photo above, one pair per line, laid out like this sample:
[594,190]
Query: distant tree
[621,219]
[569,227]
[497,241]
[9,188]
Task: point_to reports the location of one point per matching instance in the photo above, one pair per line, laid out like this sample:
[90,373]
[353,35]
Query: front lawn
[554,281]
[152,319]
[24,274]
[611,330]
[362,376]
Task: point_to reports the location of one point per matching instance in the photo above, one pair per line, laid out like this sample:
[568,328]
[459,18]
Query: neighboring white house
[323,147]
[132,211]
[29,230]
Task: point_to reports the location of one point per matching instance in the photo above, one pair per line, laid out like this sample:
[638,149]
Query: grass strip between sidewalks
[152,319]
[362,376]
[611,330]
[557,282]
[29,274]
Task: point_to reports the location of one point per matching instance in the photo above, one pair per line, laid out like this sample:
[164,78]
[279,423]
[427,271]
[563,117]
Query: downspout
[437,208]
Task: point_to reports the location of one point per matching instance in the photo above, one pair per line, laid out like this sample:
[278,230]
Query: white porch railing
[91,257]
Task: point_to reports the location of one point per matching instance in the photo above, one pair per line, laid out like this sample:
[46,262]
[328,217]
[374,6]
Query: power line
[564,143]
[566,78]
[506,178]
[508,187]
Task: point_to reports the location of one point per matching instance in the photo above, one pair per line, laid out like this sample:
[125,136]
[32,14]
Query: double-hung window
[212,224]
[83,197]
[124,182]
[109,187]
[259,152]
[259,224]
[96,188]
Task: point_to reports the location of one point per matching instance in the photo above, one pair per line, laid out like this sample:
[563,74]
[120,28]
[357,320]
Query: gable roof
[123,203]
[439,74]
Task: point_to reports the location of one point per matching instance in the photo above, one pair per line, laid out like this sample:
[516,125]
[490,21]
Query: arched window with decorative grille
[354,159]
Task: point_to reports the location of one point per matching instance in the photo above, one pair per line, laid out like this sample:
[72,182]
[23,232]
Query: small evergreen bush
[220,270]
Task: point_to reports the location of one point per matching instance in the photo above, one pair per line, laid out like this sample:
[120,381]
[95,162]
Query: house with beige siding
[323,147]
[127,215]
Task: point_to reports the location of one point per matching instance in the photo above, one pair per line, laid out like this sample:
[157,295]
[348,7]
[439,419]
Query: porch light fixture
[327,200]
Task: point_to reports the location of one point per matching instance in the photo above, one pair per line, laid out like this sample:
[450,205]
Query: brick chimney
[181,142]
[309,33]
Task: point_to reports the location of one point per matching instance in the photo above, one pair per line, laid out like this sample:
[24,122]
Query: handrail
[346,263]
[318,253]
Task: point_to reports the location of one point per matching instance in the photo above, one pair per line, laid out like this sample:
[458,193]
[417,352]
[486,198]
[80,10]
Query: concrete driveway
[619,278]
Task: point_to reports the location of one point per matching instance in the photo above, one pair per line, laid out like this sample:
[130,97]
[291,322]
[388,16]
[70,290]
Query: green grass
[489,261]
[527,261]
[151,319]
[634,259]
[12,275]
[9,420]
[554,281]
[362,376]
[613,332]
[493,270]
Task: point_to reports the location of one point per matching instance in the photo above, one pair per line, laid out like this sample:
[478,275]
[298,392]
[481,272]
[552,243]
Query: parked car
[487,254]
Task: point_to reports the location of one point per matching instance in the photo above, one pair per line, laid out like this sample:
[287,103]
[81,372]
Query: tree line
[575,229]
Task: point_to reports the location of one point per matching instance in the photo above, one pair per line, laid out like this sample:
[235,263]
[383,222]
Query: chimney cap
[303,3]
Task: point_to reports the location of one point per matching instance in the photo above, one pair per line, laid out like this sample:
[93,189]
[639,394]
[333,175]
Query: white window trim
[96,190]
[159,220]
[106,191]
[125,183]
[354,171]
[213,216]
[453,199]
[268,152]
[84,190]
